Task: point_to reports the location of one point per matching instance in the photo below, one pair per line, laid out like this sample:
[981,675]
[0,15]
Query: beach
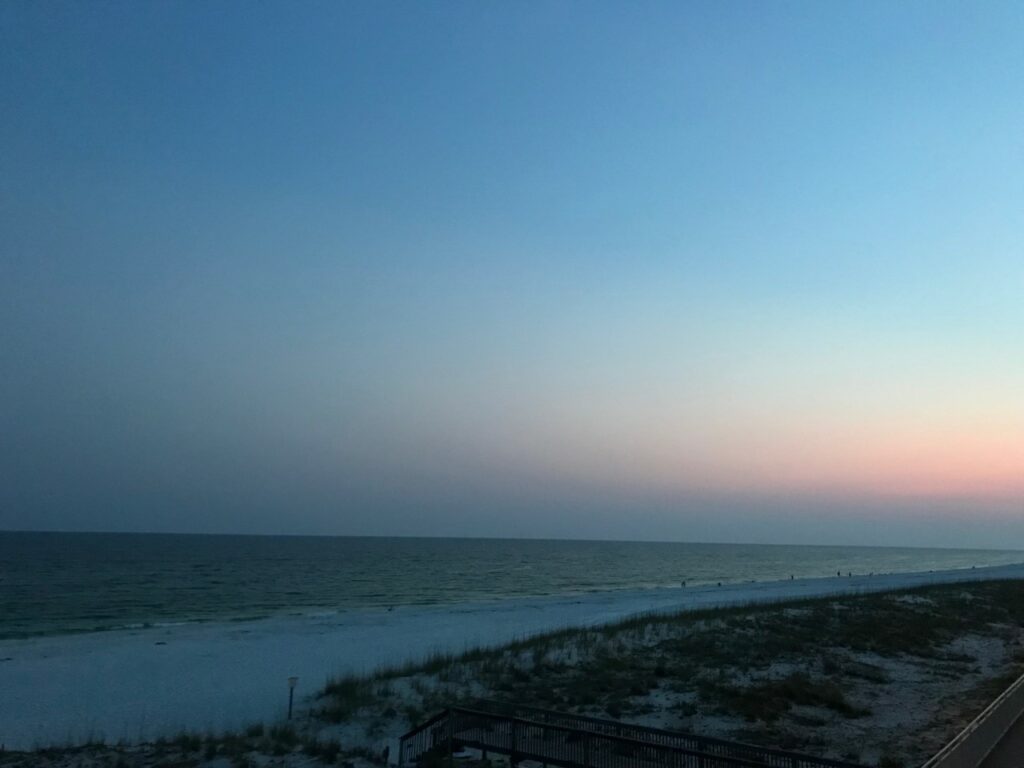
[141,684]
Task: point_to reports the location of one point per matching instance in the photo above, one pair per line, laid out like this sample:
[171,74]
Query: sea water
[82,582]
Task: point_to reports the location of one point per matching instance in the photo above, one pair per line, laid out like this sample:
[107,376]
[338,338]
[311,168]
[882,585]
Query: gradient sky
[720,271]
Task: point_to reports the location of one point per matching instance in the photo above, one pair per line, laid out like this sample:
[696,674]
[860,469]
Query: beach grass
[883,678]
[783,674]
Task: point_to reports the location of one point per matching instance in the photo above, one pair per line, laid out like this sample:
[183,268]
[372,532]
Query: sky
[697,271]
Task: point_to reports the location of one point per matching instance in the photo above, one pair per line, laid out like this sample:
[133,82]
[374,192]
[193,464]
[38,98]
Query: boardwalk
[571,741]
[1009,752]
[1001,723]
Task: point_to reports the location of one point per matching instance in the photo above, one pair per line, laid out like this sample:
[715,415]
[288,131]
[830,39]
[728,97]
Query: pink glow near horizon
[923,460]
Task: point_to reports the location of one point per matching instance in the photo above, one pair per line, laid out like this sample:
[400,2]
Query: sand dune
[145,683]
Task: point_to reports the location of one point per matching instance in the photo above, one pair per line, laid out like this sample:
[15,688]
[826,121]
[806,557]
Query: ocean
[53,583]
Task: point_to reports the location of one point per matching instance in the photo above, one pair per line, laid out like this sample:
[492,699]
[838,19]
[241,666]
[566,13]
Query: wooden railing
[573,741]
[974,743]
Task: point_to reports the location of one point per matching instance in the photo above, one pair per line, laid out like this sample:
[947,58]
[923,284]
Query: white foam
[140,684]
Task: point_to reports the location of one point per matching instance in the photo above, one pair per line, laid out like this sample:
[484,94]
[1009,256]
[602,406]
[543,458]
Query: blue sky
[705,271]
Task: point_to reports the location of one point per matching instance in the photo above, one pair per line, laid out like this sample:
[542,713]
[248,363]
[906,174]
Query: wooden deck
[572,741]
[1009,752]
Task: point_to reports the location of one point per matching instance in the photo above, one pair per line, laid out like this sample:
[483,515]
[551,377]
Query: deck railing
[573,741]
[974,743]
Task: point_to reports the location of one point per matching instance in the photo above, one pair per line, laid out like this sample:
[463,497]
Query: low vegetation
[875,678]
[882,679]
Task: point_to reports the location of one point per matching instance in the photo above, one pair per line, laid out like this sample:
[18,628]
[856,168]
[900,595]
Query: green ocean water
[77,582]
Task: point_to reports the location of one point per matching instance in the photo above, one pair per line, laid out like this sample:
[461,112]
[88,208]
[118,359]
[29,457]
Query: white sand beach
[142,684]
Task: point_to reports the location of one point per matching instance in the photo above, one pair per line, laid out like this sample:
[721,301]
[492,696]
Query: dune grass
[783,668]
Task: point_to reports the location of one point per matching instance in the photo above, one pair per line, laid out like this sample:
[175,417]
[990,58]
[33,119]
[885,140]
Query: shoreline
[137,685]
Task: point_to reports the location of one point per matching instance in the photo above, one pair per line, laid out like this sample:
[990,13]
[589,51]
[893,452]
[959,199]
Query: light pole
[291,694]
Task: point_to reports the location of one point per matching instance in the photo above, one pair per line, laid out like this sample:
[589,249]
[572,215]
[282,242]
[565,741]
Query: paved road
[1009,753]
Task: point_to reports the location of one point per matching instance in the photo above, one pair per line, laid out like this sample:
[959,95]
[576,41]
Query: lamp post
[291,694]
